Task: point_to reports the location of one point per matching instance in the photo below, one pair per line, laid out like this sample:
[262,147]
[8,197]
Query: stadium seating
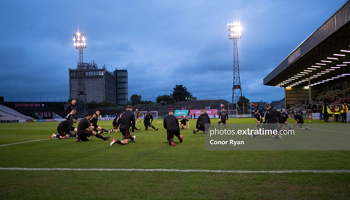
[8,114]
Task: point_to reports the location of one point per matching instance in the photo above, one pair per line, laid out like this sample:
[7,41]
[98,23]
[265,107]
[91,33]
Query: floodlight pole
[235,34]
[79,43]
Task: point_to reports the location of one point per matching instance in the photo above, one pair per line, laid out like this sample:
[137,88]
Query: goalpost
[232,113]
[153,113]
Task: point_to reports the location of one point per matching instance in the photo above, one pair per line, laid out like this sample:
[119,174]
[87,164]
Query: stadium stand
[317,70]
[9,115]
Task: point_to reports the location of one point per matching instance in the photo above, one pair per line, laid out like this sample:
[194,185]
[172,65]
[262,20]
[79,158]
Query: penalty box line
[183,170]
[3,145]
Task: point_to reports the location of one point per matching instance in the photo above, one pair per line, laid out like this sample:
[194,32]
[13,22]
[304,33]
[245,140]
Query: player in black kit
[83,134]
[271,120]
[183,122]
[283,119]
[70,107]
[116,123]
[94,120]
[223,116]
[71,114]
[137,113]
[148,119]
[127,120]
[258,119]
[201,121]
[300,121]
[65,128]
[171,124]
[70,117]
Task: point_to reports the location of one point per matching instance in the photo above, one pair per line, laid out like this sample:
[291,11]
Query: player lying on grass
[223,117]
[300,121]
[171,124]
[93,122]
[201,121]
[127,120]
[83,133]
[183,123]
[64,129]
[148,119]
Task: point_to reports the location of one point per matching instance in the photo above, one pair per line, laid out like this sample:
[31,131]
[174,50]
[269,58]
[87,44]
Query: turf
[150,151]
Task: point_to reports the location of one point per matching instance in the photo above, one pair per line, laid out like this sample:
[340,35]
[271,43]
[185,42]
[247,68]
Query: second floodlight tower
[79,43]
[234,35]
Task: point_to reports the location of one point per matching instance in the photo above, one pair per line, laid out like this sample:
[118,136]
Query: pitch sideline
[3,145]
[183,170]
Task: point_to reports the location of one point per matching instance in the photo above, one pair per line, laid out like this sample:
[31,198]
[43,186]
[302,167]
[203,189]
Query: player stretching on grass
[258,119]
[70,107]
[127,120]
[83,134]
[148,119]
[115,123]
[283,120]
[64,129]
[171,124]
[183,122]
[300,121]
[94,120]
[71,115]
[271,120]
[201,121]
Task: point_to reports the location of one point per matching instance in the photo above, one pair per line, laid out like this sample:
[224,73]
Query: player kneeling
[300,121]
[183,122]
[148,119]
[64,129]
[127,120]
[201,121]
[115,123]
[83,133]
[171,124]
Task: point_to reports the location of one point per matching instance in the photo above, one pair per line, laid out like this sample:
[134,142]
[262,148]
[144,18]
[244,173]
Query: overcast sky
[161,43]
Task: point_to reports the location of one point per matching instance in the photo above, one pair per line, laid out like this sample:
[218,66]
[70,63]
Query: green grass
[150,151]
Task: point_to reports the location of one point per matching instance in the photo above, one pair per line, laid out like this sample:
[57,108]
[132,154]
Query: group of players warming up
[87,126]
[273,120]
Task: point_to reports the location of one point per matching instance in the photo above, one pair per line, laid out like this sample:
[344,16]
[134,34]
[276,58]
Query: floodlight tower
[79,43]
[235,34]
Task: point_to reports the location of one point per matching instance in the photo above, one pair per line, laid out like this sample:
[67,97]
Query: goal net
[153,113]
[236,114]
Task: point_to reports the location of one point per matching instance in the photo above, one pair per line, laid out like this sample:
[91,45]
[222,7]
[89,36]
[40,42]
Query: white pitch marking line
[329,130]
[3,145]
[184,170]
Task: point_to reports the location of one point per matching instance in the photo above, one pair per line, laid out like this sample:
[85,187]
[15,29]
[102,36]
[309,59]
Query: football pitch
[34,167]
